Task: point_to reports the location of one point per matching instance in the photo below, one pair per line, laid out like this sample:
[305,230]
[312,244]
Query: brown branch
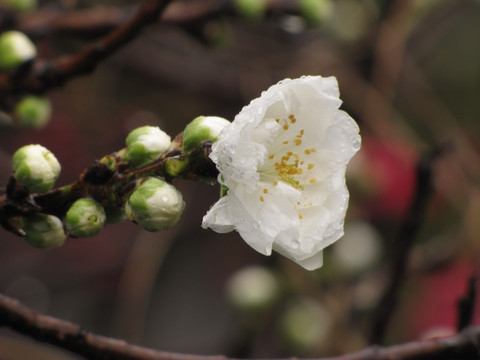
[97,21]
[403,244]
[72,337]
[44,74]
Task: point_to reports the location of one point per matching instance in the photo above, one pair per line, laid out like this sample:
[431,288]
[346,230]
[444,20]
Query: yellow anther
[310,166]
[285,142]
[300,216]
[271,157]
[277,120]
[262,199]
[265,191]
[313,150]
[292,118]
[275,182]
[308,151]
[313,181]
[285,127]
[297,142]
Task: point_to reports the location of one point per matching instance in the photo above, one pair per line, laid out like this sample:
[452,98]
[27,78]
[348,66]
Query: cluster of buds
[151,200]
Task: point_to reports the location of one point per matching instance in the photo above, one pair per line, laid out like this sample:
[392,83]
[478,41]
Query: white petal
[218,217]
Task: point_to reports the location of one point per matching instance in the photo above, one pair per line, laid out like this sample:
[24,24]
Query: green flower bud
[316,11]
[15,49]
[155,205]
[252,288]
[22,6]
[251,9]
[36,168]
[202,128]
[43,231]
[33,111]
[145,144]
[85,218]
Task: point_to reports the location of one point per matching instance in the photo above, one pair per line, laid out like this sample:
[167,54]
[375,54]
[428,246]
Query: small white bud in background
[33,111]
[15,49]
[155,205]
[305,324]
[145,144]
[85,218]
[43,231]
[36,168]
[202,128]
[360,247]
[252,288]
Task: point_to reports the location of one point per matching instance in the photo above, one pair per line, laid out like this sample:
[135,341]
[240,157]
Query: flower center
[287,156]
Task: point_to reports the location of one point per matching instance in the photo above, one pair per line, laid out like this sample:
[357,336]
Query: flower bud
[145,144]
[22,6]
[175,167]
[85,218]
[155,205]
[35,167]
[305,324]
[202,128]
[15,49]
[251,9]
[316,11]
[252,288]
[33,111]
[44,231]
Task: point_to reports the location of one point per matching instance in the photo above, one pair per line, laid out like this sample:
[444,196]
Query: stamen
[313,181]
[292,118]
[308,151]
[262,199]
[310,166]
[265,191]
[297,142]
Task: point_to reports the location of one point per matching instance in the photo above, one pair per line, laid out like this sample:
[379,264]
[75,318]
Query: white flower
[283,160]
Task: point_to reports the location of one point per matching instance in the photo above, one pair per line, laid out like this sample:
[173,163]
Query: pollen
[292,118]
[300,216]
[265,191]
[285,142]
[310,166]
[313,150]
[313,181]
[297,142]
[277,120]
[285,127]
[275,182]
[308,151]
[262,199]
[271,157]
